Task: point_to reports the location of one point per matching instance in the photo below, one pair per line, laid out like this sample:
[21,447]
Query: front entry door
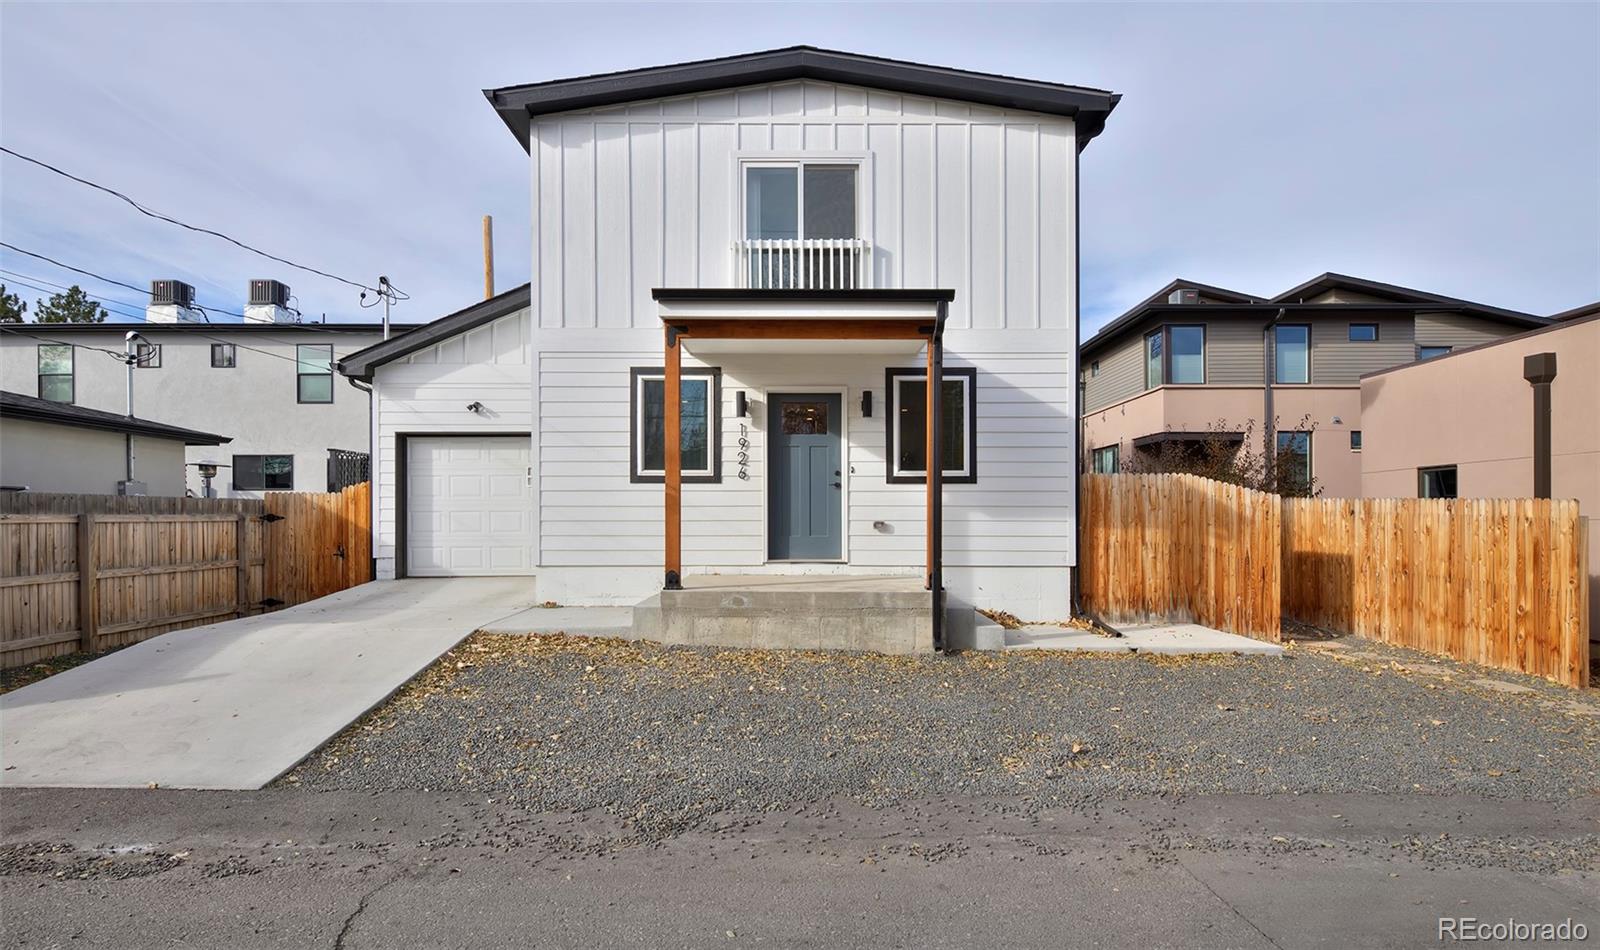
[803,520]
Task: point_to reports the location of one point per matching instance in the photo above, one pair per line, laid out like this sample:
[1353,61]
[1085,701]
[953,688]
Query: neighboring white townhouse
[792,241]
[268,382]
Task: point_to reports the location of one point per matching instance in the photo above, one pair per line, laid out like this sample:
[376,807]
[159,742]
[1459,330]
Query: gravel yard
[664,737]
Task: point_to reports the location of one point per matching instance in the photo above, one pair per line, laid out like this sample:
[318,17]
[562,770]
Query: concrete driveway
[236,704]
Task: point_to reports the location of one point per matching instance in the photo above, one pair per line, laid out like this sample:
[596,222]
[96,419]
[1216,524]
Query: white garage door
[467,506]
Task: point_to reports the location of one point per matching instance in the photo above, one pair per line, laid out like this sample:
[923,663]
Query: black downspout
[936,478]
[1269,425]
[1539,369]
[372,454]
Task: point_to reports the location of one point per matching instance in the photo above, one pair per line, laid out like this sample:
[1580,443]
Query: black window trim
[970,374]
[1422,475]
[1311,470]
[715,447]
[1447,347]
[1377,334]
[261,455]
[1277,362]
[72,376]
[1355,440]
[1165,332]
[233,357]
[152,361]
[1116,458]
[300,374]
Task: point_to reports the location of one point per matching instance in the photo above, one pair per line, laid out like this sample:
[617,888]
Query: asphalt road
[288,868]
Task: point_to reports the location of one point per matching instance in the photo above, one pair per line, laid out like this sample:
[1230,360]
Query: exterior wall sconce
[866,404]
[741,407]
[475,407]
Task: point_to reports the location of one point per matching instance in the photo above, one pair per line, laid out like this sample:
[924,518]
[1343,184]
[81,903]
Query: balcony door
[801,226]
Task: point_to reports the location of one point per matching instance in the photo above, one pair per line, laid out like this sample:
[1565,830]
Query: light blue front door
[803,508]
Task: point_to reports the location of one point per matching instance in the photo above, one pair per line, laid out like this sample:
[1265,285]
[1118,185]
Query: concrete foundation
[790,612]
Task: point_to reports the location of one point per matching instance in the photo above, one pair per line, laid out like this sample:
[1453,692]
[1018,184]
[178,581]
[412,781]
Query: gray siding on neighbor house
[1121,374]
[1336,361]
[1233,352]
[1458,330]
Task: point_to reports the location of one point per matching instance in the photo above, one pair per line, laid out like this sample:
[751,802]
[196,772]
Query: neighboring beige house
[58,447]
[1189,362]
[1463,426]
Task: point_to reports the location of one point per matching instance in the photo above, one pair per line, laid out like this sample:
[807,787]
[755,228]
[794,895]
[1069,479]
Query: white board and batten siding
[427,392]
[951,195]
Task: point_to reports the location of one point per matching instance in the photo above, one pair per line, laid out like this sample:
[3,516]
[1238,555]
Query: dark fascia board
[1331,281]
[887,295]
[361,364]
[1587,310]
[517,105]
[1156,438]
[18,406]
[1551,327]
[1142,308]
[146,329]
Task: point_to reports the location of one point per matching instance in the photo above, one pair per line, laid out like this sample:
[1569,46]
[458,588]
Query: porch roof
[722,320]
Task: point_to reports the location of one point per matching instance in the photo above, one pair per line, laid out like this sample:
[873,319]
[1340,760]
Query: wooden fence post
[242,549]
[88,583]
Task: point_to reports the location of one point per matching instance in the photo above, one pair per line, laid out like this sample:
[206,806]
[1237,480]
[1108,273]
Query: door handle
[836,485]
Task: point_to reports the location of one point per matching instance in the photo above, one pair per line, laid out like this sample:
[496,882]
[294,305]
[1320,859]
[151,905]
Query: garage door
[467,506]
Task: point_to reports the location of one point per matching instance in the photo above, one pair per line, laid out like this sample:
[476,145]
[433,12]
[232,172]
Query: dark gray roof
[1587,310]
[1244,306]
[18,406]
[361,364]
[517,105]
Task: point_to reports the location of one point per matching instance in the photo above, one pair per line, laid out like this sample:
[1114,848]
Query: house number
[744,451]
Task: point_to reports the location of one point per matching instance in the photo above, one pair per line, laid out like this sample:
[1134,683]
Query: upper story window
[1429,352]
[148,355]
[1363,333]
[1292,353]
[1175,355]
[55,372]
[314,372]
[801,227]
[223,356]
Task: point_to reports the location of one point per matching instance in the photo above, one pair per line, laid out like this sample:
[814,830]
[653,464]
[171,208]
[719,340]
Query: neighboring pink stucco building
[1466,420]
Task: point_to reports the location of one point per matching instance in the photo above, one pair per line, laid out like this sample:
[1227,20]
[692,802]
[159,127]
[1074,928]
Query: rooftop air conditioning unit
[171,292]
[270,293]
[1184,295]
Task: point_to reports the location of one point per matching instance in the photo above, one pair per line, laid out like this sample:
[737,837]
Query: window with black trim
[700,424]
[1107,461]
[1294,460]
[1175,355]
[907,425]
[55,372]
[1436,481]
[263,472]
[1430,352]
[1355,440]
[1292,353]
[147,355]
[223,356]
[313,372]
[1363,333]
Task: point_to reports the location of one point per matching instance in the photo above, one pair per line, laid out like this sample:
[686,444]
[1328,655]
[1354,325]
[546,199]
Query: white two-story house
[744,272]
[267,381]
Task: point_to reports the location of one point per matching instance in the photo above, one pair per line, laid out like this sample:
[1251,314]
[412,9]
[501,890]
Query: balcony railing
[804,264]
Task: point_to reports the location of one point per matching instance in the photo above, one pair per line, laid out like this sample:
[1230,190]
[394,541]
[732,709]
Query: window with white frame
[907,422]
[700,394]
[802,226]
[313,374]
[55,372]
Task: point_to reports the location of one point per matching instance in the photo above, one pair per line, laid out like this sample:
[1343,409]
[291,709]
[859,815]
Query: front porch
[873,613]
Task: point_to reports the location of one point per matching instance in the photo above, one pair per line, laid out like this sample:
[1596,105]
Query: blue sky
[1454,148]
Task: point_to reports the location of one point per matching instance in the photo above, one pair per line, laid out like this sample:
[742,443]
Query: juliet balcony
[804,264]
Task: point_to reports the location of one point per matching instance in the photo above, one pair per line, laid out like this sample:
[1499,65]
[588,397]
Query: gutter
[1269,357]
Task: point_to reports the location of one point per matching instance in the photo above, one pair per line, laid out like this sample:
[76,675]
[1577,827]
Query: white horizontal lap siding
[951,195]
[429,391]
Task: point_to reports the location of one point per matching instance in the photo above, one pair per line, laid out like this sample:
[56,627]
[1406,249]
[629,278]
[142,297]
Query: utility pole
[488,256]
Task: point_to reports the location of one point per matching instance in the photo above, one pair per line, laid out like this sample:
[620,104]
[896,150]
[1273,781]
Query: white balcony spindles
[804,264]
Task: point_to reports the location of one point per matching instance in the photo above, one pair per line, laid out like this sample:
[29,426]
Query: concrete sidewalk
[1170,639]
[235,704]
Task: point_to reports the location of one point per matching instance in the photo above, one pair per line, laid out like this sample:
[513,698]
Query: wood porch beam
[673,463]
[804,329]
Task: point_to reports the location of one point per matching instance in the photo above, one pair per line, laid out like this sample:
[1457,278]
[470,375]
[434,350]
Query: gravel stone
[664,737]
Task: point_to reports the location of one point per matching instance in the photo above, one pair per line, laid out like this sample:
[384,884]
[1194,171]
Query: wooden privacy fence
[1181,547]
[1501,582]
[92,574]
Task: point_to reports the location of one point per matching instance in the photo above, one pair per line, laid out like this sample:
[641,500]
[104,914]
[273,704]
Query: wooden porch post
[674,463]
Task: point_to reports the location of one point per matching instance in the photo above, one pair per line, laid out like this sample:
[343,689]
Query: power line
[207,311]
[182,224]
[33,283]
